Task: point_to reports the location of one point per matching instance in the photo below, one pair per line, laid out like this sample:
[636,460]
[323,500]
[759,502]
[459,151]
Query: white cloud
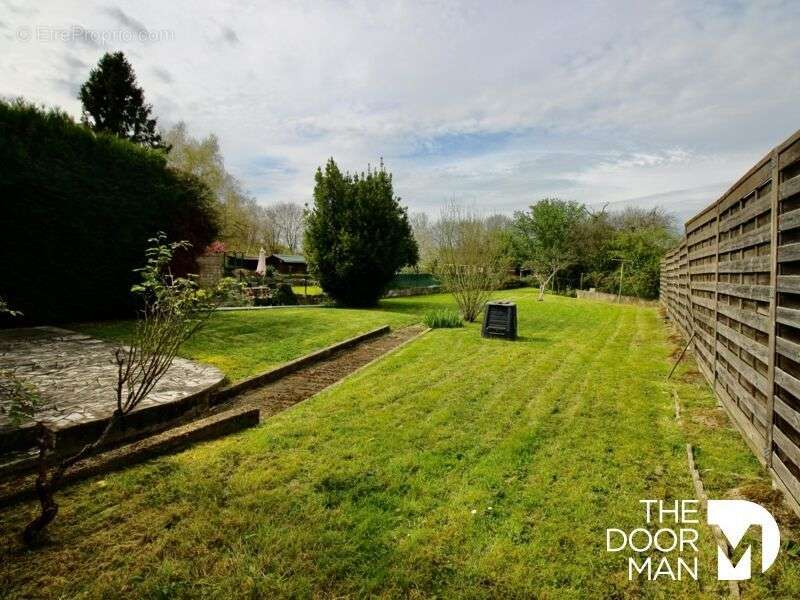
[495,104]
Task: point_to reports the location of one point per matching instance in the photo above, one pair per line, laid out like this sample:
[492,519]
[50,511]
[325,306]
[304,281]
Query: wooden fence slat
[752,346]
[750,292]
[788,316]
[787,413]
[789,252]
[757,237]
[789,283]
[754,320]
[790,220]
[789,480]
[786,381]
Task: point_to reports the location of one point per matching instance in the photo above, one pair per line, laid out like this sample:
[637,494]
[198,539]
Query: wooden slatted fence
[734,284]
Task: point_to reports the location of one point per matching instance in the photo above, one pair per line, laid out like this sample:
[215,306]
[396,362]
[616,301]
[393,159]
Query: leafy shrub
[284,295]
[281,295]
[443,318]
[357,235]
[78,209]
[511,282]
[233,293]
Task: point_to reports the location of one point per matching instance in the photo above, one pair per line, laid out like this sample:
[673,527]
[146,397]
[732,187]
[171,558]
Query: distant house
[287,263]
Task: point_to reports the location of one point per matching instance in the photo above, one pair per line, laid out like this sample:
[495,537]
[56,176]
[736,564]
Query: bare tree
[174,308]
[469,258]
[289,221]
[269,235]
[425,235]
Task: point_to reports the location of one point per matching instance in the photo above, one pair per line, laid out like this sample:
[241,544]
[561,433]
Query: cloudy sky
[491,104]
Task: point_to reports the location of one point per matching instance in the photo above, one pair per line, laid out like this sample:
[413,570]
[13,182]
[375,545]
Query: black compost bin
[500,320]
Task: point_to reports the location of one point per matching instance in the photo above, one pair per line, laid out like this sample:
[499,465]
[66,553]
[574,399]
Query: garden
[474,479]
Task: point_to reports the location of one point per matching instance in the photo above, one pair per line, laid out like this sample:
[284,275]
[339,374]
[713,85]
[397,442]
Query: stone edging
[295,365]
[169,441]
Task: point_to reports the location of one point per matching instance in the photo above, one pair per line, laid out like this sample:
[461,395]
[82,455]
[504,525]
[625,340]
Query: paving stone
[75,375]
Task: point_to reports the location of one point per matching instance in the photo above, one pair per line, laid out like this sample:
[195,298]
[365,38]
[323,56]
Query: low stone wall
[211,268]
[417,291]
[75,378]
[16,489]
[604,297]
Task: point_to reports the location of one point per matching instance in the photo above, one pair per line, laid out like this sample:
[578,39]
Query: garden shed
[287,263]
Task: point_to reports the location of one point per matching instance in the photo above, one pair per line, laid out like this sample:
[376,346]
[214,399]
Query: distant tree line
[617,252]
[558,244]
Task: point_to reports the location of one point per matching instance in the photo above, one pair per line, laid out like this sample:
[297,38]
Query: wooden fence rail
[734,282]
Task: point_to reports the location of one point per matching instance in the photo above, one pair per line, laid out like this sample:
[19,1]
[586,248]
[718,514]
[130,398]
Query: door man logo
[668,547]
[734,518]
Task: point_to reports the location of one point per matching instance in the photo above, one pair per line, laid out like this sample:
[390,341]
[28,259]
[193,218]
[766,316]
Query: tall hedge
[77,211]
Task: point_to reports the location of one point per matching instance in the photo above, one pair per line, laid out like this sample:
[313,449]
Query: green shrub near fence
[78,209]
[413,280]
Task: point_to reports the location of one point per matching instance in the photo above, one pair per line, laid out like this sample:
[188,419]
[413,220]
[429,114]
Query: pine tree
[113,103]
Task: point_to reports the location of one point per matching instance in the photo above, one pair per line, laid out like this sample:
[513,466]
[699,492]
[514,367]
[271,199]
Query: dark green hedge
[77,211]
[413,280]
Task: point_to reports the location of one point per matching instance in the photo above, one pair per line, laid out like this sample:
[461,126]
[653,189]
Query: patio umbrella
[262,262]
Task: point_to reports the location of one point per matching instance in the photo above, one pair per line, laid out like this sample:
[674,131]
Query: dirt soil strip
[287,391]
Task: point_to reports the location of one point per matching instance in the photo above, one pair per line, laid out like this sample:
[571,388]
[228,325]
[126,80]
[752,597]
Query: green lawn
[311,290]
[243,343]
[455,467]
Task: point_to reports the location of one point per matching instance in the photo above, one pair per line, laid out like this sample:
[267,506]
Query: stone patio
[76,377]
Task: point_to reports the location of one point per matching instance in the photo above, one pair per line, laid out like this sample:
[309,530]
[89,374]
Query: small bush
[443,318]
[511,282]
[282,295]
[285,296]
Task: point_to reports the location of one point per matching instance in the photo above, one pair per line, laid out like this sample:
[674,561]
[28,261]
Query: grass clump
[442,318]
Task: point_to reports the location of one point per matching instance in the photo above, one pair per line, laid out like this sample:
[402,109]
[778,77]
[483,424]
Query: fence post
[773,301]
[716,296]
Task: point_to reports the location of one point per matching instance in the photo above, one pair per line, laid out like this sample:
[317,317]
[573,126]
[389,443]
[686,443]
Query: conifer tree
[114,103]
